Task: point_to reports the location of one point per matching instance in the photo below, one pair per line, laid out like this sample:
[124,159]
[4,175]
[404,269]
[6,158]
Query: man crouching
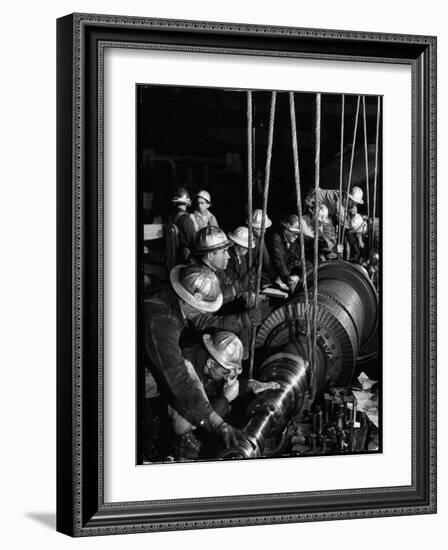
[215,365]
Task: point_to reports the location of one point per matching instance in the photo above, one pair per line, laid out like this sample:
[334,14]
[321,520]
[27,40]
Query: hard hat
[291,223]
[198,286]
[241,236]
[211,238]
[204,195]
[257,216]
[226,348]
[322,213]
[358,224]
[181,196]
[356,195]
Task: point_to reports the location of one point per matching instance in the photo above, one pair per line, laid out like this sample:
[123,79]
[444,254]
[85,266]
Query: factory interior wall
[28,274]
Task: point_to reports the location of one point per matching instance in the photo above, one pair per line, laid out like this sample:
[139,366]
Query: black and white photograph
[259,274]
[222,219]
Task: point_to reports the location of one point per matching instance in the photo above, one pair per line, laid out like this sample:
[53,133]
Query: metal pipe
[269,412]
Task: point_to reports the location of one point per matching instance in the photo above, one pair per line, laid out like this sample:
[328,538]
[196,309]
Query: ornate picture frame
[81,506]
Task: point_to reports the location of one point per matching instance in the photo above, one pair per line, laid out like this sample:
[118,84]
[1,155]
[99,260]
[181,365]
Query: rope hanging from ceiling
[295,150]
[267,178]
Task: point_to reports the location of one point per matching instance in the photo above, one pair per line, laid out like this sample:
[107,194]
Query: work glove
[231,389]
[256,386]
[292,283]
[230,435]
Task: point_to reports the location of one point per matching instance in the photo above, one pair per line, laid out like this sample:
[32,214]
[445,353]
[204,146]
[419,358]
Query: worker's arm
[165,358]
[235,323]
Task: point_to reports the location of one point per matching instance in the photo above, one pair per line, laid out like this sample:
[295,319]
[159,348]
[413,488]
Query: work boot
[187,446]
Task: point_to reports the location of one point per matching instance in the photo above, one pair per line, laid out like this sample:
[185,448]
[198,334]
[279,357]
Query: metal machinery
[346,322]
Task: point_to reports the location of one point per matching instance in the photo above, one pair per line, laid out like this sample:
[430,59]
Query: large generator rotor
[346,320]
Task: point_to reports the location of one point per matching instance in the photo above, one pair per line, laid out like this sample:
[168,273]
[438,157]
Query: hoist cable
[295,150]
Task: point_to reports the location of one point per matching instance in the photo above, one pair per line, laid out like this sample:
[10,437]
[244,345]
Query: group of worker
[198,326]
[281,251]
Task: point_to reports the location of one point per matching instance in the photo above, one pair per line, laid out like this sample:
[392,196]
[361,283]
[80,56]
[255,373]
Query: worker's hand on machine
[256,386]
[231,389]
[230,435]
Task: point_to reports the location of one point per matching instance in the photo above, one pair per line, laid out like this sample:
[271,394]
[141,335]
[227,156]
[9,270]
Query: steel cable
[295,150]
[351,166]
[249,180]
[263,222]
[366,154]
[378,112]
[341,166]
[316,231]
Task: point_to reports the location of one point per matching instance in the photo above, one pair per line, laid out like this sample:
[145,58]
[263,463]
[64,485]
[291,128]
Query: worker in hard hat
[217,362]
[357,230]
[333,201]
[257,221]
[285,253]
[201,216]
[185,227]
[326,234]
[192,298]
[212,249]
[268,275]
[237,268]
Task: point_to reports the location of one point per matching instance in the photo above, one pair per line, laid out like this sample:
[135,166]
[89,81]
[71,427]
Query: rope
[316,236]
[341,165]
[263,223]
[366,154]
[378,109]
[351,164]
[295,150]
[249,180]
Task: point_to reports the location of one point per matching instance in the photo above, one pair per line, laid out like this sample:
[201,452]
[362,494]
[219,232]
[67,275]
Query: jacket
[186,233]
[236,271]
[203,220]
[331,199]
[284,256]
[268,273]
